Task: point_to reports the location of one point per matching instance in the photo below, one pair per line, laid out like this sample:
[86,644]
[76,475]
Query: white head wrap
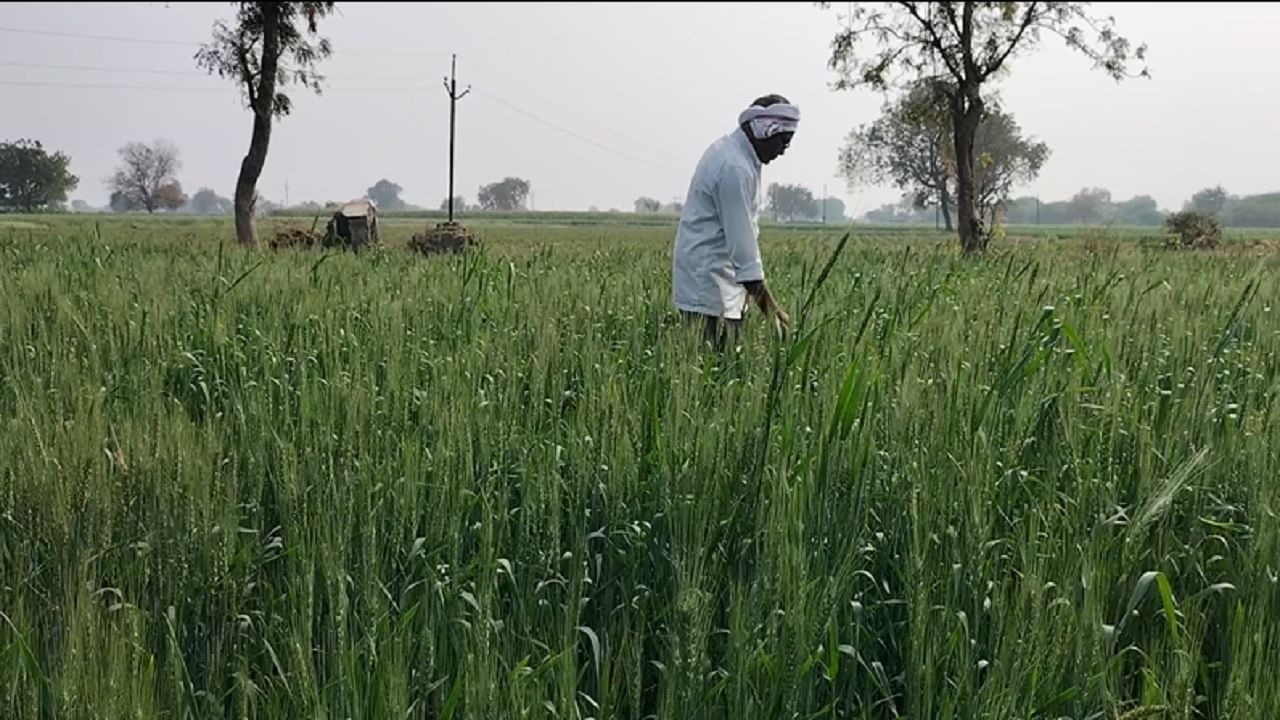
[769,121]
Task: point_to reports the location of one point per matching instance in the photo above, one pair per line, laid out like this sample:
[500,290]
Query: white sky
[654,82]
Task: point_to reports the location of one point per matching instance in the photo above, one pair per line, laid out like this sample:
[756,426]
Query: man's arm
[735,194]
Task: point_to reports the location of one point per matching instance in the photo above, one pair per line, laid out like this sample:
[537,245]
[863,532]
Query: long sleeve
[736,196]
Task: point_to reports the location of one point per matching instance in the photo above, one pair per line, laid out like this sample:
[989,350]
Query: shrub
[1193,230]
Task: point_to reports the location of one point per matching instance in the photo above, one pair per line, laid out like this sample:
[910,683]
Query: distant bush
[1193,230]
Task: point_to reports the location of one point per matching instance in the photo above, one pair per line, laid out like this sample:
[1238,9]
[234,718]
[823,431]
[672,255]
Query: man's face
[775,147]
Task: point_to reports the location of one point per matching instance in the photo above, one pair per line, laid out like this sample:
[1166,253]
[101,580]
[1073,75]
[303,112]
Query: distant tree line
[786,203]
[1095,206]
[651,206]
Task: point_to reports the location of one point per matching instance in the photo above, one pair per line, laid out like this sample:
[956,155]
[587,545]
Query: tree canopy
[906,147]
[147,178]
[647,205]
[788,203]
[263,50]
[208,202]
[911,147]
[1209,201]
[963,46]
[386,195]
[504,196]
[33,179]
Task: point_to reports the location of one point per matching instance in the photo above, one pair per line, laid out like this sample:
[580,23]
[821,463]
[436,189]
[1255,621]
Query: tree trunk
[264,100]
[944,197]
[966,109]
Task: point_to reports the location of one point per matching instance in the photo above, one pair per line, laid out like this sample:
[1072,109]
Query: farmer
[716,261]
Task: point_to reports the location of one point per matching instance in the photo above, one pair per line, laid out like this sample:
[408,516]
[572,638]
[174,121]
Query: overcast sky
[597,104]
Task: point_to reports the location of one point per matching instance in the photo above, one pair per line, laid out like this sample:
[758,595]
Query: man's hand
[784,320]
[764,300]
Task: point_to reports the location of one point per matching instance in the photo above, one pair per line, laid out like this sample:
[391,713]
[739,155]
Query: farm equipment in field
[353,225]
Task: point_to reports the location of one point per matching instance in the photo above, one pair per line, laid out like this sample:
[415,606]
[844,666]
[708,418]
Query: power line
[198,43]
[91,68]
[341,88]
[518,87]
[108,38]
[187,73]
[101,86]
[175,88]
[152,71]
[571,133]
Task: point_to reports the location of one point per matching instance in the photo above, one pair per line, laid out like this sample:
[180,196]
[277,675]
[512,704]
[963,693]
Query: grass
[1039,484]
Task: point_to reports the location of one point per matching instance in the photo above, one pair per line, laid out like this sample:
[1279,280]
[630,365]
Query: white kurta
[716,246]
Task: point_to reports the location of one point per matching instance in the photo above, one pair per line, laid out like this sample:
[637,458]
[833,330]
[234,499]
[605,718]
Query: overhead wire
[490,96]
[195,43]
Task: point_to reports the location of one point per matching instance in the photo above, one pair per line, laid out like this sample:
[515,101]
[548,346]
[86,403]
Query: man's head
[770,123]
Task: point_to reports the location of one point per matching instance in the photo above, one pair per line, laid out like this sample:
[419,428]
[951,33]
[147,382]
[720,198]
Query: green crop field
[1038,484]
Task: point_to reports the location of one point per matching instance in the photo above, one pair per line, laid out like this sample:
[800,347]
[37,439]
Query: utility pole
[451,87]
[824,203]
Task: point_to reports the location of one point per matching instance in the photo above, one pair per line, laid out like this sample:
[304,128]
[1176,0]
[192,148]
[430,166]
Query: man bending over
[716,262]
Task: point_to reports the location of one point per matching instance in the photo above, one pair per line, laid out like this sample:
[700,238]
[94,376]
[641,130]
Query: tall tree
[647,205]
[31,178]
[386,195]
[910,145]
[208,202]
[1003,157]
[170,196]
[1090,205]
[833,210]
[792,202]
[264,52]
[459,204]
[906,146]
[504,196]
[1209,201]
[970,43]
[146,177]
[1139,210]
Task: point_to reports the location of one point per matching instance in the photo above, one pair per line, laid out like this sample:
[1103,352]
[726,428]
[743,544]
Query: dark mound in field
[445,238]
[297,238]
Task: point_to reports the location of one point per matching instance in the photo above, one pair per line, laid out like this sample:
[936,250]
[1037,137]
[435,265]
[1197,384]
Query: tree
[1257,211]
[262,53]
[906,147]
[142,179]
[1004,158]
[968,44]
[118,203]
[504,196]
[647,205]
[833,210]
[1139,210]
[208,202]
[788,203]
[1089,205]
[170,196]
[905,211]
[386,195]
[1209,201]
[31,178]
[459,204]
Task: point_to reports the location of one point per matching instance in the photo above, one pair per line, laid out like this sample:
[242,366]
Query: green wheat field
[302,484]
